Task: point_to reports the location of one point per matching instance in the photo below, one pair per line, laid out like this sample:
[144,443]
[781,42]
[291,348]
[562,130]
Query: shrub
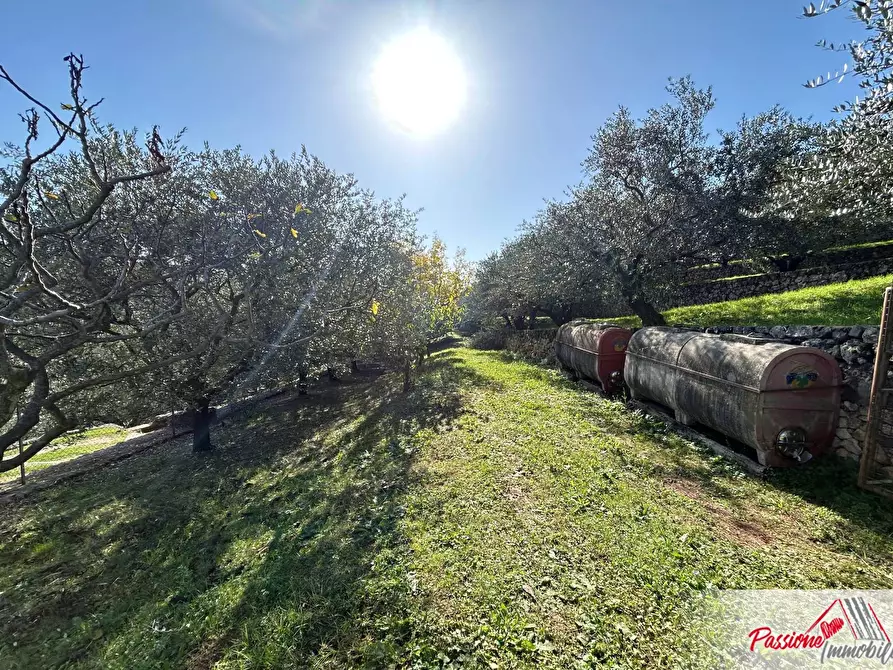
[533,345]
[493,340]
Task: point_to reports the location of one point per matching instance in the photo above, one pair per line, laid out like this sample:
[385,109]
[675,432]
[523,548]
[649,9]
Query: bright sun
[419,83]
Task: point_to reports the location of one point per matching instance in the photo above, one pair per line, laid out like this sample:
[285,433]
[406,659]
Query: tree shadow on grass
[865,523]
[282,546]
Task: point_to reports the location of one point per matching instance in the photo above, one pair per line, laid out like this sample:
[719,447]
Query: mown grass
[497,516]
[846,303]
[68,447]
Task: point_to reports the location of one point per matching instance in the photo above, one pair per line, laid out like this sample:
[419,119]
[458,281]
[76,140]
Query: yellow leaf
[51,195]
[374,307]
[300,208]
[11,217]
[251,217]
[213,195]
[294,233]
[260,233]
[67,107]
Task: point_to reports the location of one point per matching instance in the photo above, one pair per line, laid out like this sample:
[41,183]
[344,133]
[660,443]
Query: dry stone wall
[774,282]
[823,260]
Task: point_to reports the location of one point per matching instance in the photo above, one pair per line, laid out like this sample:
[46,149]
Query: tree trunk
[407,376]
[302,382]
[787,263]
[508,321]
[518,322]
[354,367]
[333,376]
[532,317]
[646,311]
[559,315]
[201,428]
[631,290]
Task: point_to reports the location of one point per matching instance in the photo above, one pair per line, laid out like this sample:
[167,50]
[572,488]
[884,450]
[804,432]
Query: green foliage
[660,198]
[201,275]
[497,516]
[489,340]
[422,300]
[853,169]
[536,345]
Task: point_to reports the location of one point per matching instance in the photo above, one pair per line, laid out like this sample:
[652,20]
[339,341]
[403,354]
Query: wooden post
[22,464]
[878,399]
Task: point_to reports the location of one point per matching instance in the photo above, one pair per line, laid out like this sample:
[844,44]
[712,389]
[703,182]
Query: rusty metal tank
[780,399]
[595,351]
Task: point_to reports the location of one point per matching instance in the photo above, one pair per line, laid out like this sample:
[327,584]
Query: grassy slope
[497,516]
[853,302]
[68,447]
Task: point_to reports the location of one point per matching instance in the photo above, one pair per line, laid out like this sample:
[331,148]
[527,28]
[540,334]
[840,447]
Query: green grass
[864,245]
[854,302]
[68,447]
[497,516]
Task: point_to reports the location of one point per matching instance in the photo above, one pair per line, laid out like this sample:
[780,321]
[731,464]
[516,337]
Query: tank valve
[792,443]
[616,378]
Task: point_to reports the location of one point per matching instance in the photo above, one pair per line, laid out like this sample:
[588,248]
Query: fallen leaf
[213,195]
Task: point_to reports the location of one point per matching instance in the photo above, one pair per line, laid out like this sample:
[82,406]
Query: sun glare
[419,83]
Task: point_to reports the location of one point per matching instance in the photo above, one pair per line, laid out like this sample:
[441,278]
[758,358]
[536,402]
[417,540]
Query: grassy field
[497,516]
[847,303]
[68,447]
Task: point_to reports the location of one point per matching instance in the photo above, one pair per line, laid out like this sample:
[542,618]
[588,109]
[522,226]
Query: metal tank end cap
[792,443]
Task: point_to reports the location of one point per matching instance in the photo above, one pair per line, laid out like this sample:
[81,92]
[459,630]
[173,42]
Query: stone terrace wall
[827,259]
[854,348]
[774,282]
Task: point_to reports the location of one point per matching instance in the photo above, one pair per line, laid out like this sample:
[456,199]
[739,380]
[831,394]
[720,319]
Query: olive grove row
[661,196]
[140,276]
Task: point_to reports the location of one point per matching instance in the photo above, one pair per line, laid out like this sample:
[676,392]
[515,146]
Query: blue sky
[543,75]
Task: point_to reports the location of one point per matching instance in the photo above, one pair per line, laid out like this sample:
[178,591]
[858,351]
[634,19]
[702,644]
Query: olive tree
[138,277]
[420,299]
[852,172]
[661,196]
[78,274]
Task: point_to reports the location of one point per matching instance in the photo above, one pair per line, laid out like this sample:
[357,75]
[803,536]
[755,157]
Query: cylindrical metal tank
[593,350]
[780,399]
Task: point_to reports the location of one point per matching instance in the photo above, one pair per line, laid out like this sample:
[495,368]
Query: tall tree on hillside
[853,170]
[661,196]
[753,168]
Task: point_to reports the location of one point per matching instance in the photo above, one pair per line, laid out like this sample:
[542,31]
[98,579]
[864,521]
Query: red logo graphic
[845,616]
